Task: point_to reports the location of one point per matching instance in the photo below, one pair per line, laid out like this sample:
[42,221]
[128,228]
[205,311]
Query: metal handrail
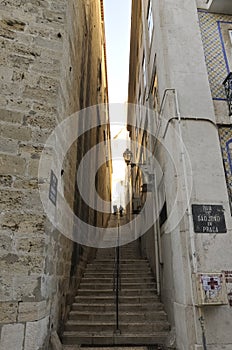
[117,282]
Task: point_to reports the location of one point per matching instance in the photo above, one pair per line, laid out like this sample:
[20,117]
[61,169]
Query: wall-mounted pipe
[178,117]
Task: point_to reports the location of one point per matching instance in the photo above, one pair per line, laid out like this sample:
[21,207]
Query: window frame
[144,72]
[150,21]
[230,35]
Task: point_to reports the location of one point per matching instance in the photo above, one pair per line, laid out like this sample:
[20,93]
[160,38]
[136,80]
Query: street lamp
[127,155]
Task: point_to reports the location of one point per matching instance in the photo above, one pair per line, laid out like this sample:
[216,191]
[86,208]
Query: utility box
[211,289]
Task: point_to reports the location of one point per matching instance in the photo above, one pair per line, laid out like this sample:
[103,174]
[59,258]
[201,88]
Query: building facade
[53,64]
[179,80]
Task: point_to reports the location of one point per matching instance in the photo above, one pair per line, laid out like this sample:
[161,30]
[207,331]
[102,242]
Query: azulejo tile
[225,134]
[214,55]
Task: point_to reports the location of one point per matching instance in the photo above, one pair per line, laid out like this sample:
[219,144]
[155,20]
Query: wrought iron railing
[228,89]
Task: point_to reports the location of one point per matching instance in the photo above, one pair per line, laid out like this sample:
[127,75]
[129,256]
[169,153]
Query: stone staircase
[92,319]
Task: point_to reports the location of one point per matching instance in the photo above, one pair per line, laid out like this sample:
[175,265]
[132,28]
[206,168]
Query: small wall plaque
[211,289]
[208,218]
[53,188]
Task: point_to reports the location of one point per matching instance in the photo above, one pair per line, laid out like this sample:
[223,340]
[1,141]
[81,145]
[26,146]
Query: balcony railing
[228,89]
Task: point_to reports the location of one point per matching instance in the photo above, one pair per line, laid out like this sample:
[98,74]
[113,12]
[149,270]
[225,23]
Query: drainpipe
[191,234]
[192,269]
[191,231]
[155,209]
[192,241]
[156,233]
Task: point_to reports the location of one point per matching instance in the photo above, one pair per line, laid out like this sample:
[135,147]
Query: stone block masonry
[44,77]
[12,337]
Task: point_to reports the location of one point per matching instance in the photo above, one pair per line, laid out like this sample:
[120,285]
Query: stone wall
[50,53]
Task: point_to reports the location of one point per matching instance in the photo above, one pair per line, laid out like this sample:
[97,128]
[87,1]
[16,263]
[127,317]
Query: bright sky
[117,27]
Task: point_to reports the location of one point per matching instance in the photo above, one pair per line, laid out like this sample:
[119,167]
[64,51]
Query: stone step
[122,271]
[124,274]
[110,307]
[93,315]
[122,261]
[124,285]
[122,268]
[111,338]
[110,292]
[126,247]
[123,253]
[123,279]
[77,347]
[123,316]
[131,257]
[132,327]
[122,250]
[122,257]
[122,299]
[122,265]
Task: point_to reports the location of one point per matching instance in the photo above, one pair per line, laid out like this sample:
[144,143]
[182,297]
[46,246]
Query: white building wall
[179,53]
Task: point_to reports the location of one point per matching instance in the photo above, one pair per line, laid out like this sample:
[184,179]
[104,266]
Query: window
[229,152]
[141,37]
[162,203]
[155,92]
[154,87]
[99,74]
[230,35]
[140,107]
[163,214]
[150,21]
[140,97]
[144,72]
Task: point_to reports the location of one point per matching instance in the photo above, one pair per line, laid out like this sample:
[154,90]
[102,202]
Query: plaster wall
[178,53]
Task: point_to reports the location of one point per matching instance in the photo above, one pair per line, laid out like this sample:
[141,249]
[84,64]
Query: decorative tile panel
[225,133]
[214,49]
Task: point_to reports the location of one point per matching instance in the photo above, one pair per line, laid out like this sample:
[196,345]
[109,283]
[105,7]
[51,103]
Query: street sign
[208,218]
